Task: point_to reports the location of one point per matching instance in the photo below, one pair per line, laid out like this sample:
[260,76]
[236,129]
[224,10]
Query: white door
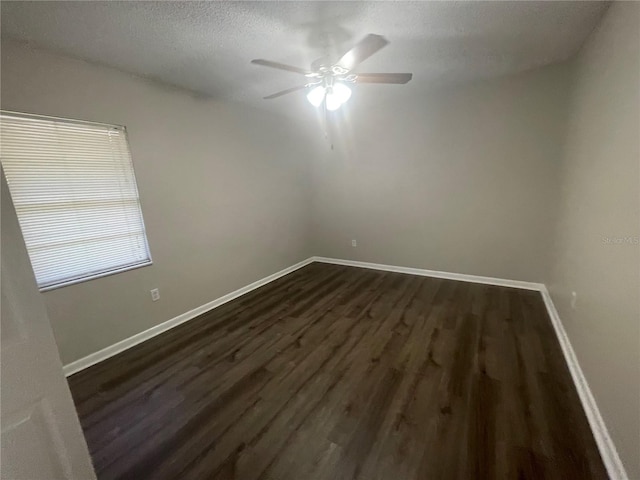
[41,434]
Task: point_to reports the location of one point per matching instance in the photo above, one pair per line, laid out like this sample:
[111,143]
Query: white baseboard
[127,343]
[607,448]
[434,273]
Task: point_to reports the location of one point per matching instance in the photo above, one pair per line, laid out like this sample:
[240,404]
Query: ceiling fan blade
[280,66]
[284,92]
[398,78]
[362,50]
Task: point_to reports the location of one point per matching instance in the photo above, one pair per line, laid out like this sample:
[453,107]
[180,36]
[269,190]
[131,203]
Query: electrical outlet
[574,300]
[354,243]
[155,294]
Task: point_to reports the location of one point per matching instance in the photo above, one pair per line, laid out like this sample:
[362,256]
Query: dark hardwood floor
[337,373]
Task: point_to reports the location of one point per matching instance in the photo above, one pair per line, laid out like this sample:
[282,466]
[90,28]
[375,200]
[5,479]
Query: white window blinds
[75,195]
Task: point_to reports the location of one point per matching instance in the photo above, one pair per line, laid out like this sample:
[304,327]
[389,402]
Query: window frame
[111,271]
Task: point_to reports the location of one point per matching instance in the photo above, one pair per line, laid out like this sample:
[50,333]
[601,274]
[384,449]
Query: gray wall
[461,178]
[600,199]
[223,191]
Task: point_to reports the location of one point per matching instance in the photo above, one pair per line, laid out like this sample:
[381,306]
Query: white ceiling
[206,47]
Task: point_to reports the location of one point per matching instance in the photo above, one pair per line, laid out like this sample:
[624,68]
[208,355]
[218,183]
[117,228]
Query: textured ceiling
[207,46]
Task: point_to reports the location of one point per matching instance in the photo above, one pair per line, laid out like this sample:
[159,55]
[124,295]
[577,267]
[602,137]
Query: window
[75,195]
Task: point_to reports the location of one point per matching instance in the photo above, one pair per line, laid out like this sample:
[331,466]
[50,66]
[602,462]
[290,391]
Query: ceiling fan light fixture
[342,91]
[337,95]
[332,102]
[316,96]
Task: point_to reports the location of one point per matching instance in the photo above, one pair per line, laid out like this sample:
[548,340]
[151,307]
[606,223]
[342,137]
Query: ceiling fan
[329,83]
